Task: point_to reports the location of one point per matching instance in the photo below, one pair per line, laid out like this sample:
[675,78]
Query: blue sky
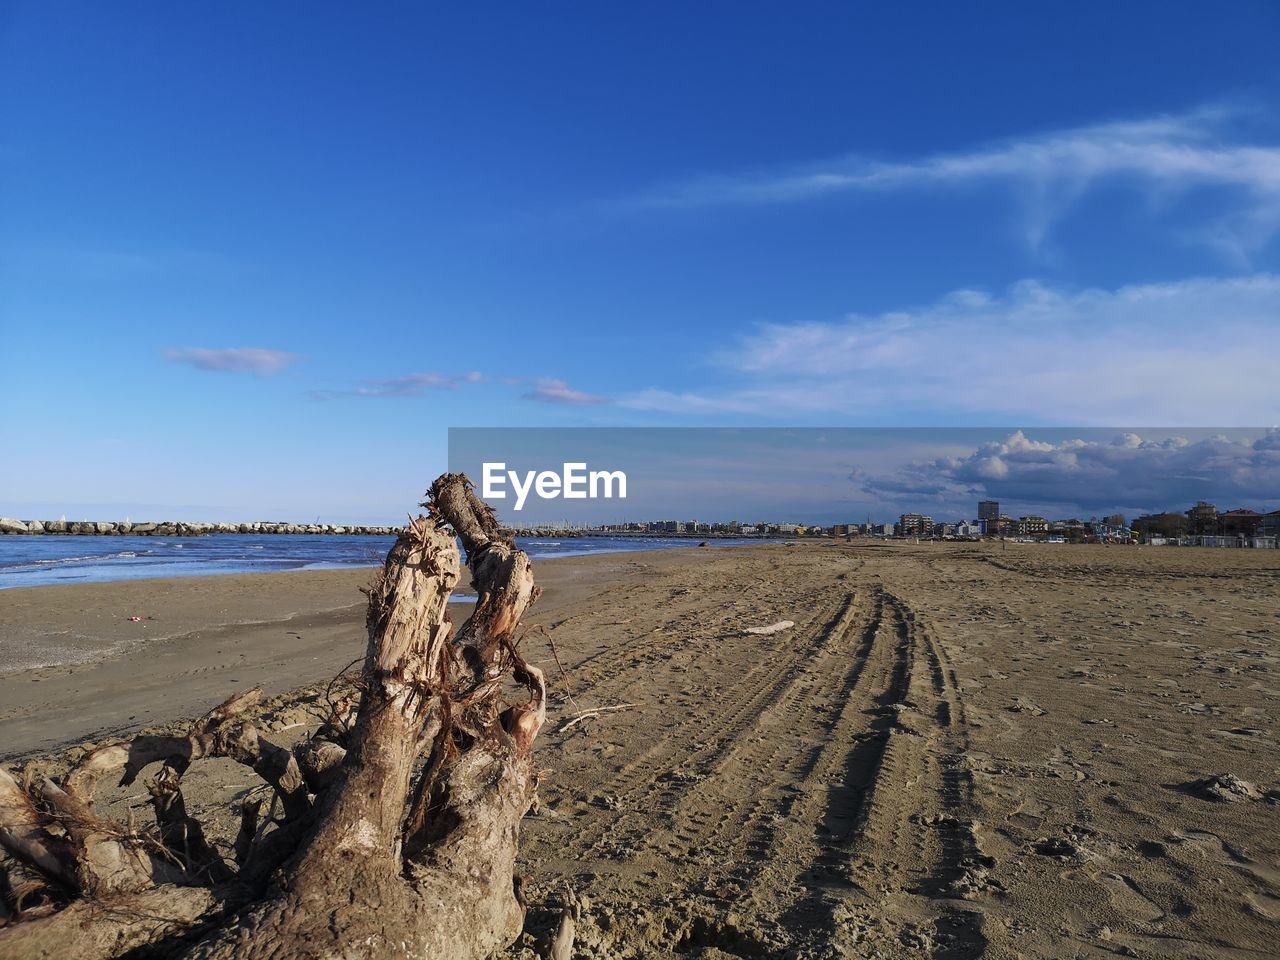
[255,259]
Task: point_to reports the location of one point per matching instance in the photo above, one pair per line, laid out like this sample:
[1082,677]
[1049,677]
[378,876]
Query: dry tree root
[399,821]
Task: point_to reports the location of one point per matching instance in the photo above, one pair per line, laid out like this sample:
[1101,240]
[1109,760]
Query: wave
[257,560]
[583,551]
[44,563]
[90,558]
[26,561]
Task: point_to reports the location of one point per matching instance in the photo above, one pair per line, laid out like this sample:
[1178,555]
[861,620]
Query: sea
[35,561]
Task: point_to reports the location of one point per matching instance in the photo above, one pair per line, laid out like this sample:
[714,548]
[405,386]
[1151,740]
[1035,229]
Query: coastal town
[1201,525]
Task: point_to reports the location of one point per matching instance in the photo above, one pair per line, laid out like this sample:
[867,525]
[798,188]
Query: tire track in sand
[730,814]
[825,783]
[657,778]
[889,847]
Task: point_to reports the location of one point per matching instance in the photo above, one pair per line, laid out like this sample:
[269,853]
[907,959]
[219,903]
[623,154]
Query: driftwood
[578,718]
[398,823]
[771,628]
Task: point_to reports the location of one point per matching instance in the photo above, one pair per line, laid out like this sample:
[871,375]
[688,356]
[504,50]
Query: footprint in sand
[1127,897]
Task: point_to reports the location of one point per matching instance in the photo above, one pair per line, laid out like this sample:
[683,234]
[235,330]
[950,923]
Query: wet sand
[199,639]
[958,751]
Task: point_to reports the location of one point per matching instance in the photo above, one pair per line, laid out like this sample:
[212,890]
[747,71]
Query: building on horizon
[1239,523]
[988,510]
[915,525]
[1032,526]
[1163,526]
[1204,518]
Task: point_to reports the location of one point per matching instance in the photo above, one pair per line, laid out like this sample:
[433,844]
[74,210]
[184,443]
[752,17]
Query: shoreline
[9,527]
[201,638]
[58,560]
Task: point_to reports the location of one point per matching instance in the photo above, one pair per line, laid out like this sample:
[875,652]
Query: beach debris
[400,814]
[1227,788]
[559,942]
[1060,848]
[577,718]
[1027,706]
[771,628]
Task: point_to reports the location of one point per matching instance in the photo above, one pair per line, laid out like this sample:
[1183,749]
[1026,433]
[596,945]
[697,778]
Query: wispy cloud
[1167,155]
[544,390]
[1075,475]
[1195,352]
[410,385]
[550,390]
[257,360]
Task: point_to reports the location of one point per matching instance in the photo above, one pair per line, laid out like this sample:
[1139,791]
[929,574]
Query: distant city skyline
[840,475]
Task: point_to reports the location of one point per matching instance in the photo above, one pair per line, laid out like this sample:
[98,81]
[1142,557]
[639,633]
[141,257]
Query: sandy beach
[957,751]
[75,666]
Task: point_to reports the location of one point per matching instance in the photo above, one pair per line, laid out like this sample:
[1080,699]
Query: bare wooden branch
[501,575]
[109,860]
[249,811]
[320,762]
[182,834]
[92,930]
[212,736]
[23,835]
[136,754]
[577,718]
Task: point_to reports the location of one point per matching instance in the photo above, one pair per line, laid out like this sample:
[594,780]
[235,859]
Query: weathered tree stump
[399,827]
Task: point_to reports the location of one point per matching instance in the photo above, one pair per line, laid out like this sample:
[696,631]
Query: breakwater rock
[178,528]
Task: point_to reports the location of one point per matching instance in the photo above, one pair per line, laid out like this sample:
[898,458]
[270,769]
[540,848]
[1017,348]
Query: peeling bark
[401,824]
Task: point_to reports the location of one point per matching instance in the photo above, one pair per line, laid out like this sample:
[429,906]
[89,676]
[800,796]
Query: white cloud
[550,390]
[257,360]
[410,385]
[1085,476]
[1196,353]
[1164,155]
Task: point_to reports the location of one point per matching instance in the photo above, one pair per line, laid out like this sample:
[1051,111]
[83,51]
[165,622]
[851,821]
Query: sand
[957,751]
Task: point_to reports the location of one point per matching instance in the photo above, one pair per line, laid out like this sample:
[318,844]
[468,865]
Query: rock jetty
[178,528]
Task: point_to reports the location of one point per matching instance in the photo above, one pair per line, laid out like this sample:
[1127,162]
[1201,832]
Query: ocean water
[45,560]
